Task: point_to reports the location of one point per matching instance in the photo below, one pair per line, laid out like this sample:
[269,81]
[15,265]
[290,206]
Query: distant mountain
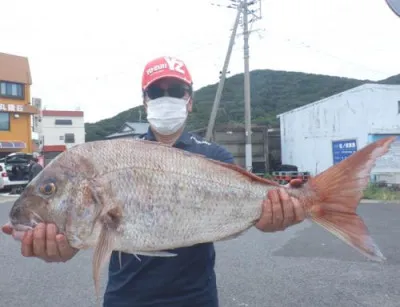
[391,80]
[272,92]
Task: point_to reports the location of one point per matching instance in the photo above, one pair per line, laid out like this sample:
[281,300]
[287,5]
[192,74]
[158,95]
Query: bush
[379,192]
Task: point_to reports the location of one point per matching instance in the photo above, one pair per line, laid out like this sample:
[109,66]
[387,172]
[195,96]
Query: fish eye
[48,188]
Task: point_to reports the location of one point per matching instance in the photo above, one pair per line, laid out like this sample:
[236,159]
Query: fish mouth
[24,218]
[25,225]
[22,227]
[19,230]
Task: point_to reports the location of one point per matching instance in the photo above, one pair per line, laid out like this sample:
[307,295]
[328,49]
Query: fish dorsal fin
[231,166]
[244,172]
[137,141]
[153,143]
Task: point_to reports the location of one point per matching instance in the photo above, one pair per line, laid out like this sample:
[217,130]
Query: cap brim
[166,76]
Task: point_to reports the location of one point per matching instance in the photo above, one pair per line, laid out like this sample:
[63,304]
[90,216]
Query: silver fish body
[168,198]
[144,197]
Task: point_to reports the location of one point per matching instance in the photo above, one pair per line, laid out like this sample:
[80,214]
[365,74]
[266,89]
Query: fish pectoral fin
[156,254]
[105,244]
[111,219]
[102,253]
[120,259]
[137,257]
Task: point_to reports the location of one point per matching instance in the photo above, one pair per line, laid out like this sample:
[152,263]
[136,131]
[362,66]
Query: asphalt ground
[302,266]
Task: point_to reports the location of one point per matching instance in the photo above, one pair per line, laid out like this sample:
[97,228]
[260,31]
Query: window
[398,107]
[63,122]
[4,121]
[61,138]
[11,90]
[69,138]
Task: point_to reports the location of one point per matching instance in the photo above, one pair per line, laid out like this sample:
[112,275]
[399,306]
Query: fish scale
[144,198]
[196,195]
[203,192]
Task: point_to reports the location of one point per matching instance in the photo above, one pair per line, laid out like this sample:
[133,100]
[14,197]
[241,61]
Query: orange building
[15,105]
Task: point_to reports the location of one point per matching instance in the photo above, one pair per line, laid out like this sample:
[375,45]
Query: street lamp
[394,6]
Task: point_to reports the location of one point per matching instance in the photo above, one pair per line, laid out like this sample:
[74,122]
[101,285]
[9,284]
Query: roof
[130,128]
[359,88]
[138,127]
[54,148]
[231,127]
[15,69]
[62,113]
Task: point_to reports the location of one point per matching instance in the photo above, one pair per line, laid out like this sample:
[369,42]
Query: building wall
[232,138]
[20,128]
[55,134]
[307,132]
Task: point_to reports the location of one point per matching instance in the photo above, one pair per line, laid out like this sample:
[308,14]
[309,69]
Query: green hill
[272,92]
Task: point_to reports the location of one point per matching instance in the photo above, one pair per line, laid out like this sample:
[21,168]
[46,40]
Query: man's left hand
[280,211]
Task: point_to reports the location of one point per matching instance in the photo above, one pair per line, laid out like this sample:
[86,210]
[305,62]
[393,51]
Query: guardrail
[284,177]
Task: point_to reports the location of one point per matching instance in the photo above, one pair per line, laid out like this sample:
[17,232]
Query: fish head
[60,194]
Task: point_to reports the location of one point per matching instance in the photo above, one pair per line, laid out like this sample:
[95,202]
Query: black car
[17,165]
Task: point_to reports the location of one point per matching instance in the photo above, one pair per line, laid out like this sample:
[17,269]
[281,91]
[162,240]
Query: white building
[62,128]
[320,134]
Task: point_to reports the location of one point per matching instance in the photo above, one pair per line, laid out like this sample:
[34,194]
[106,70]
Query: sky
[90,54]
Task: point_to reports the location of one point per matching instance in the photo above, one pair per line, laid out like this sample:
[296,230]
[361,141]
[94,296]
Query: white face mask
[167,114]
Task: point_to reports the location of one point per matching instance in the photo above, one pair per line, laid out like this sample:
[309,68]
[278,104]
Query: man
[189,278]
[34,168]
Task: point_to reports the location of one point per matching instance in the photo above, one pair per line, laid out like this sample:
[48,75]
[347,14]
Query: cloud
[90,54]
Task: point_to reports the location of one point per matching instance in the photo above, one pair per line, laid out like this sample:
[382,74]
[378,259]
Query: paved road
[303,266]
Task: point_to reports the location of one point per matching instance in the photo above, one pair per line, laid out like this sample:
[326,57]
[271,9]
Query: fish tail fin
[333,197]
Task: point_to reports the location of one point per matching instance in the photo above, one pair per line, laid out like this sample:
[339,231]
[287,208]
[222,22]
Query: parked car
[1,179]
[14,170]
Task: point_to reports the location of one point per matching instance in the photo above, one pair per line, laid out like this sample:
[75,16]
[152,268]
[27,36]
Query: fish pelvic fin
[335,194]
[105,244]
[120,259]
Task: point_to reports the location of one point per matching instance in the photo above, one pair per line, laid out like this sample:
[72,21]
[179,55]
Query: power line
[305,45]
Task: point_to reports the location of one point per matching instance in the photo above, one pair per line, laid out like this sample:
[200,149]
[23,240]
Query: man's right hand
[43,242]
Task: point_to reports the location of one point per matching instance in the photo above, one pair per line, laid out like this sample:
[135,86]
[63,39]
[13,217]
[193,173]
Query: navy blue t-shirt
[186,280]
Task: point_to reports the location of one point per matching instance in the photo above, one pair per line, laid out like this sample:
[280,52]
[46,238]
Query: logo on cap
[170,63]
[163,67]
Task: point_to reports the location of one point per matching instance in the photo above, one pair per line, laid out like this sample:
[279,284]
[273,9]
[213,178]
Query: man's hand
[43,242]
[280,211]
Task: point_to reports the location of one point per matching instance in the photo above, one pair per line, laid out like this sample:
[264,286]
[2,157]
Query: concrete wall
[233,139]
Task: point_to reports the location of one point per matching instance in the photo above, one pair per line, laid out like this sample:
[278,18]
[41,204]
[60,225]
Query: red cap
[163,67]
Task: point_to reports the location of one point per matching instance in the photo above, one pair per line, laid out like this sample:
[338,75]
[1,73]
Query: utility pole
[247,96]
[220,88]
[243,8]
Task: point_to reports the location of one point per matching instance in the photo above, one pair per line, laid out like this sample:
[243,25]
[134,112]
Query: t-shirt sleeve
[221,154]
